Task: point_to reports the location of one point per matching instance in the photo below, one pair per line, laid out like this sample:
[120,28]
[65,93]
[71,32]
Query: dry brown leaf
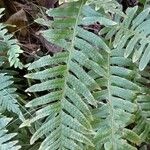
[19,19]
[2,4]
[18,5]
[48,3]
[31,47]
[28,7]
[48,45]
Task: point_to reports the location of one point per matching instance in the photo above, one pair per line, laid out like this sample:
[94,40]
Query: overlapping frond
[133,34]
[6,141]
[142,127]
[8,97]
[109,6]
[116,103]
[10,46]
[64,79]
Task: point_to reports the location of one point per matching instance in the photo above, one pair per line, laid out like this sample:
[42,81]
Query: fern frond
[109,6]
[8,97]
[6,138]
[142,127]
[10,46]
[69,87]
[142,117]
[116,103]
[133,35]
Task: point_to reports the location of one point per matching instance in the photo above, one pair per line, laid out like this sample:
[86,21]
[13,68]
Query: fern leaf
[109,6]
[66,106]
[133,35]
[8,97]
[9,45]
[116,109]
[142,117]
[6,138]
[142,124]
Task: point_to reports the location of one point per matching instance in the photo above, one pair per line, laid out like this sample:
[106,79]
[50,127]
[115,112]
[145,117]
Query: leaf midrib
[111,109]
[71,49]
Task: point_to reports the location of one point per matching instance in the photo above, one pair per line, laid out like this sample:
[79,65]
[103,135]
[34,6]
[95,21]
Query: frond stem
[111,105]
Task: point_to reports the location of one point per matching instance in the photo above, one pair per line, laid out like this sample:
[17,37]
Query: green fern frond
[116,103]
[133,35]
[10,46]
[8,97]
[142,117]
[69,86]
[142,121]
[109,6]
[68,116]
[6,142]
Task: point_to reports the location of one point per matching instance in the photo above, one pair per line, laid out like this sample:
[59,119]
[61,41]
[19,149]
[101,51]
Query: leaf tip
[28,105]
